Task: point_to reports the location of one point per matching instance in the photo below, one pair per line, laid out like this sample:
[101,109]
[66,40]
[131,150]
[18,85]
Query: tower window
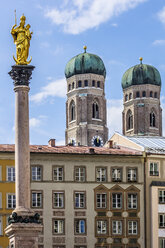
[152,119]
[86,83]
[155,95]
[129,120]
[72,85]
[151,94]
[137,94]
[79,84]
[72,111]
[98,84]
[126,98]
[144,94]
[95,112]
[69,87]
[93,83]
[130,96]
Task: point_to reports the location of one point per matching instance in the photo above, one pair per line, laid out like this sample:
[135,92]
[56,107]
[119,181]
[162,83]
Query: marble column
[24,223]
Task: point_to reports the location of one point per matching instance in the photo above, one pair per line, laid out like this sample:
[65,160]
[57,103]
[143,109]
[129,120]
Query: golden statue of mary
[22,37]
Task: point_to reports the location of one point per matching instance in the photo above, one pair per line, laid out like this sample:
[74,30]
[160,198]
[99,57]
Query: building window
[72,111]
[73,85]
[93,83]
[10,174]
[86,83]
[117,227]
[161,242]
[80,174]
[69,87]
[98,84]
[101,174]
[132,227]
[154,169]
[152,119]
[11,201]
[36,173]
[1,226]
[116,200]
[129,120]
[101,200]
[137,94]
[126,98]
[79,84]
[58,227]
[151,94]
[0,200]
[95,111]
[162,220]
[101,227]
[130,96]
[132,201]
[36,199]
[155,95]
[132,175]
[116,175]
[161,196]
[58,174]
[79,199]
[143,94]
[58,200]
[80,226]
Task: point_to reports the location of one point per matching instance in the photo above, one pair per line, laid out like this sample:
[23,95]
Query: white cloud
[60,142]
[44,44]
[114,115]
[55,88]
[114,25]
[80,15]
[34,122]
[161,15]
[158,42]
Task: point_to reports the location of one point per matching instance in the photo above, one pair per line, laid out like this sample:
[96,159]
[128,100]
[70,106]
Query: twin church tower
[86,120]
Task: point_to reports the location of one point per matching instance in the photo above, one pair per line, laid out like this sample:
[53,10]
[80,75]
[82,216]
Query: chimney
[110,144]
[51,143]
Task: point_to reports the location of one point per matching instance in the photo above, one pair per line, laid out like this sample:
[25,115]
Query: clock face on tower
[97,141]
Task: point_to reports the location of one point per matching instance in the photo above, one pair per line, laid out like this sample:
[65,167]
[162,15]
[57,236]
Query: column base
[23,235]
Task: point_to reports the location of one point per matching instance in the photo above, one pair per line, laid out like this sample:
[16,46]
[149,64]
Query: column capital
[21,74]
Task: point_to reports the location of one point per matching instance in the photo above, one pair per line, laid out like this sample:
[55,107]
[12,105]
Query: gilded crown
[23,18]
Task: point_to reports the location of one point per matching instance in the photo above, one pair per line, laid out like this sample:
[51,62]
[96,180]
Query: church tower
[142,114]
[86,122]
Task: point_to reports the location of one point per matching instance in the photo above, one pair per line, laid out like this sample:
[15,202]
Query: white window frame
[36,173]
[117,200]
[80,174]
[59,226]
[79,224]
[36,199]
[117,227]
[116,174]
[154,170]
[162,195]
[59,173]
[161,242]
[101,200]
[58,199]
[162,222]
[10,174]
[79,200]
[101,226]
[132,175]
[132,200]
[101,174]
[132,227]
[13,200]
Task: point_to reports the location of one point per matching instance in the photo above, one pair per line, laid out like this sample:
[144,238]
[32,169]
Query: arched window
[93,83]
[126,98]
[144,94]
[137,94]
[95,111]
[155,95]
[72,85]
[72,111]
[69,87]
[151,93]
[129,120]
[86,83]
[130,96]
[98,84]
[152,119]
[79,84]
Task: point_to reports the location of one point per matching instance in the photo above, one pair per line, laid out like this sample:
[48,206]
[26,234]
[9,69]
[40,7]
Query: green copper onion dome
[85,63]
[141,74]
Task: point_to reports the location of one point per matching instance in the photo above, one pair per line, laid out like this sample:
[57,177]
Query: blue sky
[119,31]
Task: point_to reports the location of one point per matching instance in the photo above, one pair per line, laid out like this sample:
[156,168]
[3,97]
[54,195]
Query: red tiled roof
[74,150]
